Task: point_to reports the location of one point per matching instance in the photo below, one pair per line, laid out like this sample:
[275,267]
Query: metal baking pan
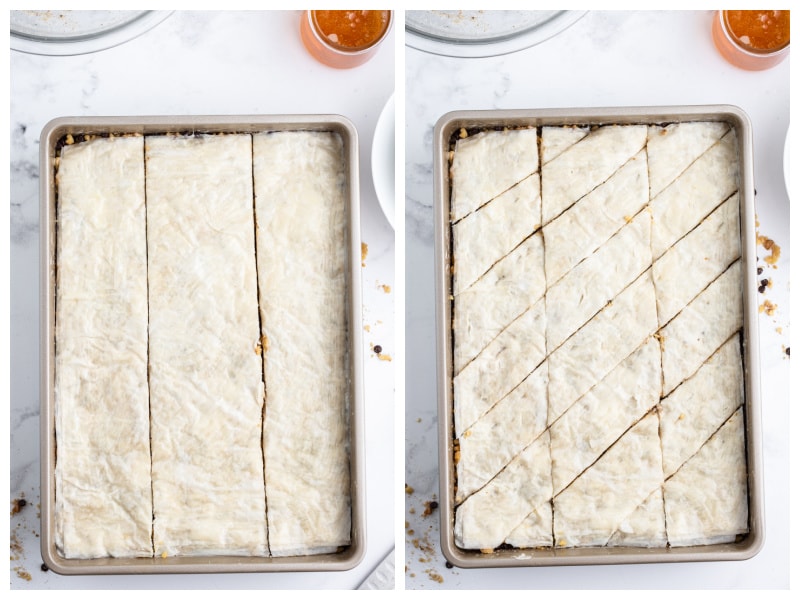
[57,129]
[446,128]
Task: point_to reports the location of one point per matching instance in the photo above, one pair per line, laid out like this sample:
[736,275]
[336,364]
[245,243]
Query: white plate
[383,160]
[72,32]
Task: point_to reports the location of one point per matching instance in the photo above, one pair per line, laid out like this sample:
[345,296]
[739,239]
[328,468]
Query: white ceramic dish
[786,168]
[383,160]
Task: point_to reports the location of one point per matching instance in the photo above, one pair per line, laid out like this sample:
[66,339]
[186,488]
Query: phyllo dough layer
[301,254]
[511,155]
[103,501]
[206,390]
[706,500]
[592,508]
[202,364]
[597,363]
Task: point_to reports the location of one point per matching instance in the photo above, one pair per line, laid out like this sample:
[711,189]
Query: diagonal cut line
[703,445]
[572,145]
[596,250]
[501,259]
[650,411]
[698,157]
[602,183]
[505,466]
[504,396]
[638,506]
[708,285]
[490,200]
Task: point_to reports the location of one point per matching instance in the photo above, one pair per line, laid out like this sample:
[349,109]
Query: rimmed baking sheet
[446,129]
[51,135]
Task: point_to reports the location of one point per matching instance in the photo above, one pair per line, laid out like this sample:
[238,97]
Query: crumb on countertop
[430,506]
[17,504]
[774,249]
[767,307]
[378,350]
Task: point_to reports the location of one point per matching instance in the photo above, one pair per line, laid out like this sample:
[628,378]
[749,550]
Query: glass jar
[752,39]
[344,38]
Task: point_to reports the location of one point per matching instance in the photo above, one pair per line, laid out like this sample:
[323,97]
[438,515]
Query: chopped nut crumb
[774,249]
[434,576]
[18,504]
[767,307]
[409,489]
[430,507]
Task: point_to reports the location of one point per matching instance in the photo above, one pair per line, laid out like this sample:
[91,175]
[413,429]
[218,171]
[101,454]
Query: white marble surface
[195,63]
[605,59]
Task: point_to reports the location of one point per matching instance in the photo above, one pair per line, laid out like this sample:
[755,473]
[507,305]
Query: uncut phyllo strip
[102,475]
[194,274]
[300,201]
[598,338]
[206,390]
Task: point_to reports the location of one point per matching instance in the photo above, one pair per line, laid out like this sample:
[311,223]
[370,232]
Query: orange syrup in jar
[752,39]
[344,38]
[759,30]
